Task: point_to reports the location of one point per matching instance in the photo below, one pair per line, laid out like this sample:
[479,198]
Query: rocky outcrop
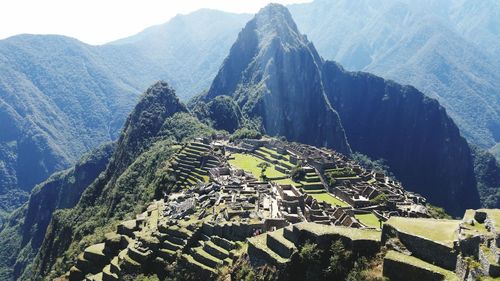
[274,74]
[420,142]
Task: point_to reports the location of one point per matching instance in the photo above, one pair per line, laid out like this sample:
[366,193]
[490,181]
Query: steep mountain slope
[488,177]
[412,132]
[444,48]
[60,97]
[22,236]
[133,177]
[275,74]
[58,100]
[188,49]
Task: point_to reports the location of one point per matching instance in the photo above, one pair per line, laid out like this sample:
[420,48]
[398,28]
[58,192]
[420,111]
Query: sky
[101,21]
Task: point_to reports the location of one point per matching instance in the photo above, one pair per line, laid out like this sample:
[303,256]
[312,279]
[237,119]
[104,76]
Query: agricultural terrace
[441,231]
[249,163]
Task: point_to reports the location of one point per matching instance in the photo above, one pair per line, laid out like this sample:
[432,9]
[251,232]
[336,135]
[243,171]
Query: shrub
[297,174]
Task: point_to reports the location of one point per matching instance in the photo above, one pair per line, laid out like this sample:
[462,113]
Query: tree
[263,167]
[297,174]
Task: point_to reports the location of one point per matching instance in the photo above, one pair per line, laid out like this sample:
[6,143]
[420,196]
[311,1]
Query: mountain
[488,177]
[59,97]
[276,76]
[411,131]
[447,49]
[188,49]
[136,173]
[57,100]
[23,235]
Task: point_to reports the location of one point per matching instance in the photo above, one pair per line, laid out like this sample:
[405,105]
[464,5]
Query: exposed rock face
[411,131]
[61,190]
[222,112]
[156,104]
[274,73]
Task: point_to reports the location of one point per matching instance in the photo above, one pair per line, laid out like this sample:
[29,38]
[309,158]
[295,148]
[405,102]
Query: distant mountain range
[60,97]
[447,49]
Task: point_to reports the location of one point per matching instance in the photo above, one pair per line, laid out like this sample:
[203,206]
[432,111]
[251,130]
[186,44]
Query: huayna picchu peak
[287,166]
[278,78]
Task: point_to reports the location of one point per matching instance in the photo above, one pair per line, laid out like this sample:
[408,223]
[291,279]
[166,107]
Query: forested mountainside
[488,177]
[446,49]
[135,174]
[276,76]
[23,235]
[58,100]
[411,131]
[60,97]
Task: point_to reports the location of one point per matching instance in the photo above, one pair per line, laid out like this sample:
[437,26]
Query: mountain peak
[275,21]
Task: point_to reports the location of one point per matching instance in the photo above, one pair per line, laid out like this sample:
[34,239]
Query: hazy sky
[101,21]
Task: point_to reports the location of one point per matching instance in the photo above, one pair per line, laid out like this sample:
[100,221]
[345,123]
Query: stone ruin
[219,207]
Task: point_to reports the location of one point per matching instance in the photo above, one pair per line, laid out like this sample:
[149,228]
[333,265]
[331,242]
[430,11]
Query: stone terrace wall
[422,248]
[395,270]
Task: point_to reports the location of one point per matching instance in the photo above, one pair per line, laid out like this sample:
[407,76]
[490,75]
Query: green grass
[271,152]
[368,220]
[349,232]
[287,181]
[441,231]
[489,255]
[260,242]
[249,163]
[399,257]
[328,198]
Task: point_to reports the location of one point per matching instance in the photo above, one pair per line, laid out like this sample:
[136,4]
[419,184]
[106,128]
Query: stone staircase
[211,253]
[273,247]
[278,247]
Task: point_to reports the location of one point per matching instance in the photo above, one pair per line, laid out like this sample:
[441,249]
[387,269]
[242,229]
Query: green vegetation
[379,165]
[369,220]
[437,212]
[332,175]
[221,113]
[246,133]
[328,198]
[183,126]
[263,167]
[340,173]
[250,164]
[399,257]
[297,174]
[337,262]
[487,170]
[440,231]
[380,199]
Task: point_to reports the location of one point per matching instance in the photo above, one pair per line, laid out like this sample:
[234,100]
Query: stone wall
[399,271]
[422,248]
